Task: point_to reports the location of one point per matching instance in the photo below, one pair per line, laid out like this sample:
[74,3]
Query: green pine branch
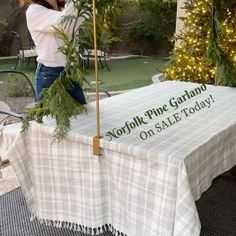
[56,102]
[225,71]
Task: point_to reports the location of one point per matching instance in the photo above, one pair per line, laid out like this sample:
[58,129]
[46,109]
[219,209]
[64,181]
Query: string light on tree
[195,59]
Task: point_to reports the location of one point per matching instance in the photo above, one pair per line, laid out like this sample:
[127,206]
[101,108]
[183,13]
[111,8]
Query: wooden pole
[96,143]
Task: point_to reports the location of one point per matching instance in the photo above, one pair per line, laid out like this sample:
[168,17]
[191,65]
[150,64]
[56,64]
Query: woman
[42,16]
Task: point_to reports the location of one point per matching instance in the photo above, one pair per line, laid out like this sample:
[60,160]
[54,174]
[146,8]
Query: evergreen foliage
[4,38]
[207,44]
[107,11]
[155,22]
[56,101]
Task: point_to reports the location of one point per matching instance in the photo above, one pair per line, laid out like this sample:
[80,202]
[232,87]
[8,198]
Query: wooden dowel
[96,143]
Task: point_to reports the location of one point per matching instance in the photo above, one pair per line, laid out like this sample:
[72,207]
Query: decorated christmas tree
[207,49]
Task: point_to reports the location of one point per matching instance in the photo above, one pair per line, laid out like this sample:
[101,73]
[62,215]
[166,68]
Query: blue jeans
[45,76]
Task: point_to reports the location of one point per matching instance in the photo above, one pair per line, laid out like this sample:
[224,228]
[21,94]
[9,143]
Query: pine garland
[225,72]
[56,102]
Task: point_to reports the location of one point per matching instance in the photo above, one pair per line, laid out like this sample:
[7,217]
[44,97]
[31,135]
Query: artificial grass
[10,64]
[129,73]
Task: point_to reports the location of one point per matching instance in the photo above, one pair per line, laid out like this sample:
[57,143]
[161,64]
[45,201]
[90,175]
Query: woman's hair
[47,5]
[44,3]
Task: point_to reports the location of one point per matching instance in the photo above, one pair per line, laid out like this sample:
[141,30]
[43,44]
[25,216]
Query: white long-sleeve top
[40,22]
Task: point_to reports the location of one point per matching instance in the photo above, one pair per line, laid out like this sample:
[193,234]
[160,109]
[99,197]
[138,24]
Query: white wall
[180,13]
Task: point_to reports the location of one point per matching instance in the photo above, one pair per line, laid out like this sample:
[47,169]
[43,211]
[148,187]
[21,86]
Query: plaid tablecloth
[155,164]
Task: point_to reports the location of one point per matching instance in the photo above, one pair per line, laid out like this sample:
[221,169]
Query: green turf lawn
[124,74]
[128,73]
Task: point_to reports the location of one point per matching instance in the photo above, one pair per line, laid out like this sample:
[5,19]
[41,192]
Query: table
[156,161]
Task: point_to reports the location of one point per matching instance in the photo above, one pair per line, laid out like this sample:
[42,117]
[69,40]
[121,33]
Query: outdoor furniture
[31,41]
[161,147]
[22,86]
[15,88]
[101,91]
[23,53]
[87,55]
[16,84]
[5,113]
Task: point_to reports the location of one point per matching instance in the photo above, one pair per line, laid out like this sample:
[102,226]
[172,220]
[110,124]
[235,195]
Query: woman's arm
[42,19]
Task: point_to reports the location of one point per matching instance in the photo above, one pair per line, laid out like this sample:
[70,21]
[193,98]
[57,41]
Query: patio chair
[16,90]
[31,41]
[90,93]
[5,113]
[87,55]
[16,94]
[23,53]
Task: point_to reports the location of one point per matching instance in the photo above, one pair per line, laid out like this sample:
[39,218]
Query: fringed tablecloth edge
[77,227]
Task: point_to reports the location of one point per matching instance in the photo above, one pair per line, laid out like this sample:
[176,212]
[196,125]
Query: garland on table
[56,101]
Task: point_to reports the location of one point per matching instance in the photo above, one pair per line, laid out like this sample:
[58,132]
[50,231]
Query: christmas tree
[207,49]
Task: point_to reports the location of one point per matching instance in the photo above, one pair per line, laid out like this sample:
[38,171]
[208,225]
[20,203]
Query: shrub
[13,86]
[155,22]
[4,38]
